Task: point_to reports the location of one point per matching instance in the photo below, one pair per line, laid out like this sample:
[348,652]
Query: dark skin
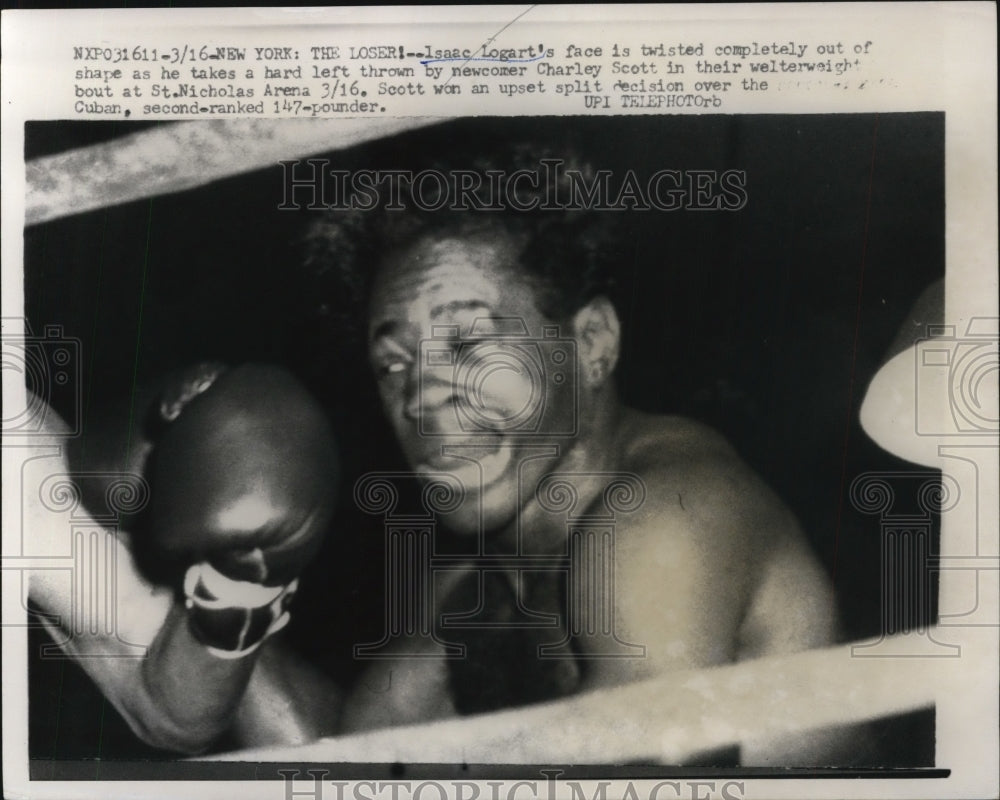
[179,697]
[711,569]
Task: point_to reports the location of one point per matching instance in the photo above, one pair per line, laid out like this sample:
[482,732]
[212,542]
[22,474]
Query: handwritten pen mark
[495,35]
[427,61]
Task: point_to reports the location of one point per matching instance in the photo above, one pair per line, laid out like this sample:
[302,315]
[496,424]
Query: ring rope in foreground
[666,719]
[184,155]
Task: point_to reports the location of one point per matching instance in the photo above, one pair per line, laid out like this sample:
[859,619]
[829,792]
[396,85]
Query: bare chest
[497,640]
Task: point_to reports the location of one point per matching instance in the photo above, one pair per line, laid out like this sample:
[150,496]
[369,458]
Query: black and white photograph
[652,323]
[447,453]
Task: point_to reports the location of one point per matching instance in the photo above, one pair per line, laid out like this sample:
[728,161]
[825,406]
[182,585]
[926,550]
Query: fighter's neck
[582,468]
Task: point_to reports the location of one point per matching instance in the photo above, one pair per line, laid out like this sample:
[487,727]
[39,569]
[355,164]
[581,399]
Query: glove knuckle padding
[246,475]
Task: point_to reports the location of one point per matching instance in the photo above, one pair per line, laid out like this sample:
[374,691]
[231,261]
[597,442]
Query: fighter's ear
[597,331]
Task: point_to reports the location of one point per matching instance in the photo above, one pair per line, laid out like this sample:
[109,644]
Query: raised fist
[243,473]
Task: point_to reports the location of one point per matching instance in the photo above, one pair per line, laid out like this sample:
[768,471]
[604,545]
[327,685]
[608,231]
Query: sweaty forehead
[438,275]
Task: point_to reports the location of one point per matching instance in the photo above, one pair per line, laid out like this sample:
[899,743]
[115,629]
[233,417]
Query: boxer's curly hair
[571,255]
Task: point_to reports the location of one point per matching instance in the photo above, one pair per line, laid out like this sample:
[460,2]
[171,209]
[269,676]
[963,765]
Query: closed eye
[390,368]
[389,358]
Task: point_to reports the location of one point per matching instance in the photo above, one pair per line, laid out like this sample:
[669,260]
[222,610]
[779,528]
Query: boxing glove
[243,473]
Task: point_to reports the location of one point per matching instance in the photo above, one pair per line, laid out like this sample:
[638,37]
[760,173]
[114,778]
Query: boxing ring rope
[667,719]
[185,155]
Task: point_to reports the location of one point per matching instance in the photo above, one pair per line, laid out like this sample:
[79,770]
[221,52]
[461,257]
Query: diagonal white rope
[666,719]
[185,155]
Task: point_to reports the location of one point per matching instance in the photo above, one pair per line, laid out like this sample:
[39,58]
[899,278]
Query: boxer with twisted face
[476,404]
[711,569]
[493,337]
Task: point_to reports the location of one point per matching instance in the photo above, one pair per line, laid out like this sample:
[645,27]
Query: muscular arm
[288,701]
[794,609]
[179,696]
[715,569]
[687,562]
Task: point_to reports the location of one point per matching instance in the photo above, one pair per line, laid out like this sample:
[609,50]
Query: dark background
[767,323]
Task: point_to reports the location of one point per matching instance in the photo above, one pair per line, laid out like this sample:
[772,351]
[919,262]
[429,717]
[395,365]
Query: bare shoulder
[676,445]
[695,479]
[714,551]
